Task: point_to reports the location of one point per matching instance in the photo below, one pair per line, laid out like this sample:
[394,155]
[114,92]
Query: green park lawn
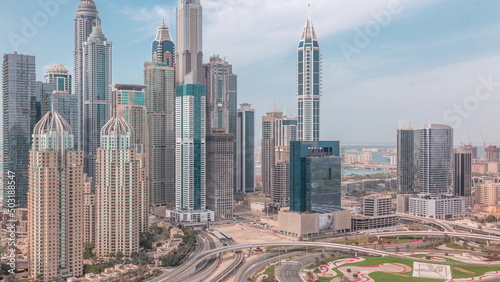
[477,270]
[433,261]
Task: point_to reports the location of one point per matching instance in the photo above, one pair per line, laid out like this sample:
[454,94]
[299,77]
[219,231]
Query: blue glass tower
[245,149]
[315,176]
[190,147]
[19,118]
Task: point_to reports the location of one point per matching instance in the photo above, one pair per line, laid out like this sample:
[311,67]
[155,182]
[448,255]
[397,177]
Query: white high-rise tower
[308,84]
[189,54]
[86,18]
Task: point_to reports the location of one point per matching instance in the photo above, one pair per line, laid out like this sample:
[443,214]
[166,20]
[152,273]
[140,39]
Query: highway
[184,270]
[202,268]
[248,269]
[451,225]
[290,270]
[441,223]
[238,259]
[437,233]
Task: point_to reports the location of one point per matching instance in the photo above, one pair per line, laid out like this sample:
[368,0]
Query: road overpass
[180,271]
[437,233]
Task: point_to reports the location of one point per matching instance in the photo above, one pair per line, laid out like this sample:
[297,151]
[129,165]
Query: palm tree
[310,276]
[317,260]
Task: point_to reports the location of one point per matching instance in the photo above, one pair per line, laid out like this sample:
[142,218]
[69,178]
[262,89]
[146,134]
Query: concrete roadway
[186,268]
[436,233]
[249,268]
[290,270]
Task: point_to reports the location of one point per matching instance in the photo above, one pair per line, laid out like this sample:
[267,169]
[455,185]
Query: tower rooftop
[163,34]
[116,126]
[87,4]
[51,122]
[97,33]
[308,32]
[57,68]
[182,2]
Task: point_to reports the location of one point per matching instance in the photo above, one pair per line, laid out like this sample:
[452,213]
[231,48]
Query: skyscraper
[491,153]
[220,186]
[189,54]
[58,75]
[309,84]
[19,118]
[435,175]
[315,173]
[117,189]
[280,175]
[221,95]
[131,102]
[190,118]
[60,99]
[407,161]
[160,103]
[277,131]
[221,121]
[163,47]
[190,148]
[245,152]
[86,18]
[55,199]
[436,159]
[97,77]
[462,175]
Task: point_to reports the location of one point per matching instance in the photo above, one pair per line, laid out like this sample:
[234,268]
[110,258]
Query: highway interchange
[205,261]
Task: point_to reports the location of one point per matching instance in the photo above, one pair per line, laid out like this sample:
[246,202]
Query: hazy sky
[424,61]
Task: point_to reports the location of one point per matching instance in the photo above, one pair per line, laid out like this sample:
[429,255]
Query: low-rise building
[312,224]
[441,207]
[361,222]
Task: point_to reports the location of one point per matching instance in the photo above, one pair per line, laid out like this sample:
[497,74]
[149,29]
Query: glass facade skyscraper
[436,159]
[462,175]
[190,147]
[159,79]
[87,17]
[315,176]
[245,152]
[309,84]
[407,160]
[97,58]
[19,118]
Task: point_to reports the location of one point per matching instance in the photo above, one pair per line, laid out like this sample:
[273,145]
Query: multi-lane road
[205,261]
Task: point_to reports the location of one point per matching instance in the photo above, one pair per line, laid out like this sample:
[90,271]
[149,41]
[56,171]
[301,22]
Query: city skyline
[384,66]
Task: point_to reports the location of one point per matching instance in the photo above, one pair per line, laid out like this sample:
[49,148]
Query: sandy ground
[243,234]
